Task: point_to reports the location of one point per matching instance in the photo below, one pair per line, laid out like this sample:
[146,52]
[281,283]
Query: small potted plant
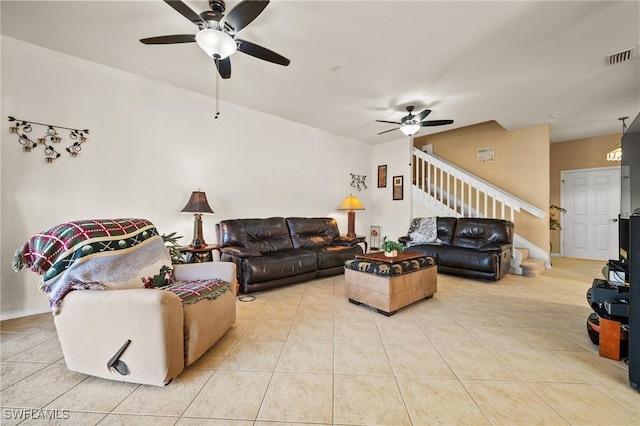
[391,248]
[171,242]
[554,224]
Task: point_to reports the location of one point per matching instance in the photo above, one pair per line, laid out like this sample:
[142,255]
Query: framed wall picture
[382,176]
[485,155]
[398,187]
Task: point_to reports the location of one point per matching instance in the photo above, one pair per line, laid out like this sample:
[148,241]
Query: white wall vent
[616,58]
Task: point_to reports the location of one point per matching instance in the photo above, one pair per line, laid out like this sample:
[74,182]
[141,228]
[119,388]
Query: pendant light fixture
[616,153]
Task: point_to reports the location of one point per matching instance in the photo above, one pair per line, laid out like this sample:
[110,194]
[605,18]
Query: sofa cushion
[430,250]
[264,235]
[475,233]
[454,257]
[425,232]
[278,264]
[446,228]
[312,232]
[445,225]
[335,256]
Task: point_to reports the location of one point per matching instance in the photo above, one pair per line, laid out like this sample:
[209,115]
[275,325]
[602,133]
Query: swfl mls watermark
[34,414]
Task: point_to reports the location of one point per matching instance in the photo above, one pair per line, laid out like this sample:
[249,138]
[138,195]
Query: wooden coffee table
[389,293]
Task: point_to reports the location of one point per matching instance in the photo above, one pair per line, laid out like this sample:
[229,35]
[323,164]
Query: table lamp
[197,205]
[351,203]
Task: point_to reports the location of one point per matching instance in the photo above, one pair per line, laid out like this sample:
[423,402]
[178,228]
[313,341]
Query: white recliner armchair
[164,335]
[108,324]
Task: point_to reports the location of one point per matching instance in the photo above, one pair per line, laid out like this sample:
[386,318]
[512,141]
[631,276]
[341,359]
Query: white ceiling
[515,62]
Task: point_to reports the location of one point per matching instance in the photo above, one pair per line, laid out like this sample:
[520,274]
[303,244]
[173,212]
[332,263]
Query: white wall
[420,211]
[393,216]
[150,145]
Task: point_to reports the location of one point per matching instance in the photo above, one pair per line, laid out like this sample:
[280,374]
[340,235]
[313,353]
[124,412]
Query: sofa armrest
[152,319]
[499,247]
[343,240]
[237,251]
[404,239]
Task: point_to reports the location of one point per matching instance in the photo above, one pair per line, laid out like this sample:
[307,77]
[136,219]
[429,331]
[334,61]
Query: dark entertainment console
[608,325]
[615,298]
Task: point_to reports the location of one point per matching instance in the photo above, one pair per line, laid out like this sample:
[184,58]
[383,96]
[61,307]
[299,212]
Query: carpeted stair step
[524,253]
[532,267]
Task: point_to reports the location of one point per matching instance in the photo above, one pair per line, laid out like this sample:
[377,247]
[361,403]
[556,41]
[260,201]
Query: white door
[590,225]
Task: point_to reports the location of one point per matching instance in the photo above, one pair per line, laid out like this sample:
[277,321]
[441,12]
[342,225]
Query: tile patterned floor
[505,353]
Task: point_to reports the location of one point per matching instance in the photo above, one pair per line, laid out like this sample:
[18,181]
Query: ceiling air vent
[616,58]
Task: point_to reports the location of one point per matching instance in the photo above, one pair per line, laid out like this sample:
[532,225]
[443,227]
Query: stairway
[522,264]
[445,189]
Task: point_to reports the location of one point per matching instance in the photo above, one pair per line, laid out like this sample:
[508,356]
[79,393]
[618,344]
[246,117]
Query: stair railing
[446,188]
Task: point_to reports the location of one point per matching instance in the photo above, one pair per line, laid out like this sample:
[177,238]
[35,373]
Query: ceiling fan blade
[435,123]
[387,131]
[385,121]
[169,39]
[224,67]
[261,52]
[186,11]
[423,115]
[244,13]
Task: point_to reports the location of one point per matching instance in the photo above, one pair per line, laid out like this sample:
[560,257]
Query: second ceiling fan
[217,39]
[411,124]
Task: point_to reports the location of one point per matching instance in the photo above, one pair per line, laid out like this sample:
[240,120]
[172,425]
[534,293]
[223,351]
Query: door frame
[562,175]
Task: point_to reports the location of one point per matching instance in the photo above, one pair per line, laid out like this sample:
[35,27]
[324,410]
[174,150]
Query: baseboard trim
[23,313]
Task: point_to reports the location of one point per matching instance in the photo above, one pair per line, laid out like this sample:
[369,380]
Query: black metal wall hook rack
[50,137]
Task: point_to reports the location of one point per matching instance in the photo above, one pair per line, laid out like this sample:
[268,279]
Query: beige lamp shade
[351,203]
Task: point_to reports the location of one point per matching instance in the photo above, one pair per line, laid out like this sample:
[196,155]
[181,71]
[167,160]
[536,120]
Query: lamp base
[351,224]
[198,239]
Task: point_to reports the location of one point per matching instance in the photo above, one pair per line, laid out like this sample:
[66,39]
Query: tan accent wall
[577,154]
[521,166]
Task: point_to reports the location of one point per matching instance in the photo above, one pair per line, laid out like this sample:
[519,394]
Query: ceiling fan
[218,39]
[411,124]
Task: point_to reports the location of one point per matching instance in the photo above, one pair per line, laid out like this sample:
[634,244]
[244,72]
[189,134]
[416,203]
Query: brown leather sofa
[274,252]
[471,247]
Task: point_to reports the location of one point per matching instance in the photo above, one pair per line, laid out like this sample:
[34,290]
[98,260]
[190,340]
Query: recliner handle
[115,363]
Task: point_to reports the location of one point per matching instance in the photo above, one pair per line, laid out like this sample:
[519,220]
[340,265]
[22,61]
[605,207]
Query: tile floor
[511,352]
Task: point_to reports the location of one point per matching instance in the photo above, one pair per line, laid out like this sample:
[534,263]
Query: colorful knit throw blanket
[193,291]
[94,254]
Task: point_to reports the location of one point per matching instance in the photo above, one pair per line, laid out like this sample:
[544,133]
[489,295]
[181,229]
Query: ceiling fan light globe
[217,44]
[410,129]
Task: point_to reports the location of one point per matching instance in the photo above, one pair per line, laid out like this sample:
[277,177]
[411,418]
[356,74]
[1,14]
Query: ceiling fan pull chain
[217,95]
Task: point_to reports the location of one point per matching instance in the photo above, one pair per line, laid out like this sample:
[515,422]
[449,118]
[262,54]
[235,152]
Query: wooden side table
[201,254]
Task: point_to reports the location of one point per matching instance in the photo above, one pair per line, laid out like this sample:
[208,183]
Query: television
[630,170]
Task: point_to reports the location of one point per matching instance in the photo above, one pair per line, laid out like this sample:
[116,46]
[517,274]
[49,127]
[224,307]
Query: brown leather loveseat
[470,247]
[274,252]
